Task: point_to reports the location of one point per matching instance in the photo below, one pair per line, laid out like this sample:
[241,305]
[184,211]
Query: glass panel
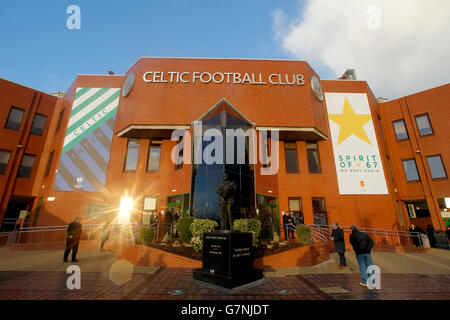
[411,170]
[150,203]
[319,211]
[400,130]
[14,118]
[4,160]
[423,124]
[290,153]
[131,158]
[221,185]
[154,159]
[26,166]
[294,205]
[313,159]
[49,163]
[436,167]
[38,124]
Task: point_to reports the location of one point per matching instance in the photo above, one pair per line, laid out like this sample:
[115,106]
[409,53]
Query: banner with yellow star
[357,157]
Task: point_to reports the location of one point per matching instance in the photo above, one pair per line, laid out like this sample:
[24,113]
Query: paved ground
[41,275]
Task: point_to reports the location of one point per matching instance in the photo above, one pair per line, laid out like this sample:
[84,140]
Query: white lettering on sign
[280,79]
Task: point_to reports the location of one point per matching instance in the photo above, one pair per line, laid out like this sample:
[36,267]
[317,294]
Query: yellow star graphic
[351,123]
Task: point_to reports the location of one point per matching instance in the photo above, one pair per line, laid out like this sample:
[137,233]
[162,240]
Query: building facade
[163,136]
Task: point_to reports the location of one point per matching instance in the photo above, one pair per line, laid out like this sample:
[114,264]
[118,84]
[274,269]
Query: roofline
[224,100]
[215,58]
[22,85]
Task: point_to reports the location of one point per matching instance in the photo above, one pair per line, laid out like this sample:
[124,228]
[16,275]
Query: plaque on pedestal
[227,259]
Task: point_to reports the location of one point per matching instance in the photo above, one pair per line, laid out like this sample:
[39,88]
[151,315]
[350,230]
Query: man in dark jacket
[362,245]
[430,234]
[337,235]
[73,239]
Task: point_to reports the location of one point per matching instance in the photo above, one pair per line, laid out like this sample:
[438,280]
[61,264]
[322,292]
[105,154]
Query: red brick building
[343,156]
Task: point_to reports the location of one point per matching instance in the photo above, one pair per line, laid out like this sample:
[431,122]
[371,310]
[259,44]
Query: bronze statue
[226,190]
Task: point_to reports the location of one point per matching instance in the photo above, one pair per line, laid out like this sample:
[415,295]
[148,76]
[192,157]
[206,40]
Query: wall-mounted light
[126,204]
[270,191]
[50,199]
[174,190]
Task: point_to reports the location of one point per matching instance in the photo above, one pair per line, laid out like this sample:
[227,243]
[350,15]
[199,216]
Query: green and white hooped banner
[357,158]
[87,143]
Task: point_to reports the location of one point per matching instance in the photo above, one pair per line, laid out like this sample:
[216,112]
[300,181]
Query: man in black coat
[362,245]
[73,239]
[337,235]
[430,234]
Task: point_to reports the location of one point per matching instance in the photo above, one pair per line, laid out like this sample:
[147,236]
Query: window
[424,125]
[61,116]
[14,118]
[312,151]
[319,211]
[38,124]
[295,206]
[290,153]
[49,164]
[131,158]
[26,166]
[150,203]
[97,211]
[154,156]
[436,167]
[411,170]
[4,160]
[400,130]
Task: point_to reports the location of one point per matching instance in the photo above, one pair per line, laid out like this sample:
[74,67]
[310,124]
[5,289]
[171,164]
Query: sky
[399,47]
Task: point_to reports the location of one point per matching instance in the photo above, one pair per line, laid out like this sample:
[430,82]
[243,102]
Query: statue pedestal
[227,259]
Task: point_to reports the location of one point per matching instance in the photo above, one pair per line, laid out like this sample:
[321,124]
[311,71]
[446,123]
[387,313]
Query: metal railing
[59,233]
[316,235]
[381,237]
[319,233]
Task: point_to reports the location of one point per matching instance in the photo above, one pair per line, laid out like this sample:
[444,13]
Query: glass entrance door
[268,215]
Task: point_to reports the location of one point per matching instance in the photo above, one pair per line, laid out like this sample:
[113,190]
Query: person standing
[292,225]
[414,235]
[362,245]
[168,223]
[430,234]
[337,235]
[73,239]
[285,225]
[105,234]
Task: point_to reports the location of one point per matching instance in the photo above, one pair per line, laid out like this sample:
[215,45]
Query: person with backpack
[362,245]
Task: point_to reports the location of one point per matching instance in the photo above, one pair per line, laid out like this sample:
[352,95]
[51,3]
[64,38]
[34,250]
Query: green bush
[198,228]
[303,234]
[184,228]
[249,225]
[146,235]
[197,244]
[276,238]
